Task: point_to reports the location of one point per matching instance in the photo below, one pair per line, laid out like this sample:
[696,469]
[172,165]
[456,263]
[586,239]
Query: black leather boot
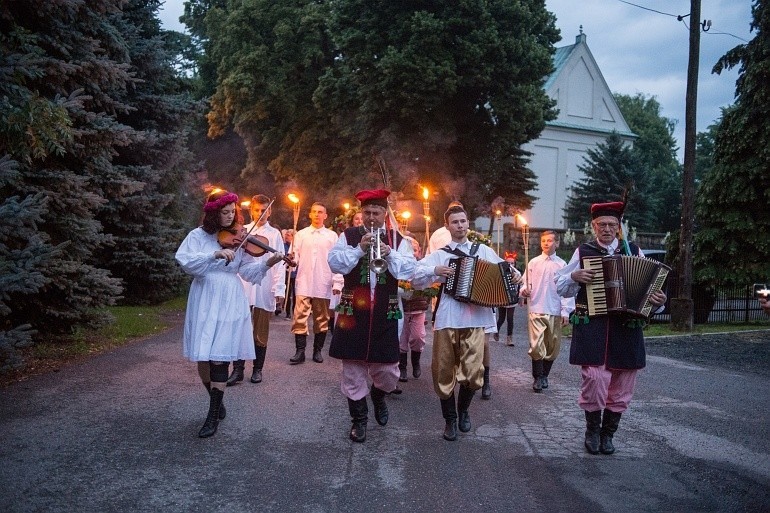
[402,362]
[593,426]
[449,411]
[464,398]
[537,373]
[359,412]
[212,419]
[610,423]
[300,341]
[259,362]
[318,344]
[547,364]
[380,408]
[486,388]
[416,370]
[222,412]
[237,375]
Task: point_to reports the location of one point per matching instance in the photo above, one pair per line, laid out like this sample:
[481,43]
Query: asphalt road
[118,432]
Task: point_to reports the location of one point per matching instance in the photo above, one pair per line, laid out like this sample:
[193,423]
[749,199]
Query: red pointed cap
[614,209]
[373,197]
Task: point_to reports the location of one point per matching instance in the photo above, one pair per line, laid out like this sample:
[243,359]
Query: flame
[425,193]
[523,221]
[216,190]
[245,204]
[406,214]
[499,212]
[346,206]
[293,198]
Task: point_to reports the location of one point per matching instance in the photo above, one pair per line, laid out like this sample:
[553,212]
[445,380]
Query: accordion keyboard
[597,296]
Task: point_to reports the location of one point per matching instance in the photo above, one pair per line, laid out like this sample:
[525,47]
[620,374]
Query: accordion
[481,283]
[623,284]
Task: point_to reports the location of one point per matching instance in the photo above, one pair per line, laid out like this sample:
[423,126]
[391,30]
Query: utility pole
[682,306]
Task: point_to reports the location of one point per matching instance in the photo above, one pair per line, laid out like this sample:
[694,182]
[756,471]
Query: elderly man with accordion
[616,289]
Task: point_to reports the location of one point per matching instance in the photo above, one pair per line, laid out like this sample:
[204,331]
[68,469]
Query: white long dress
[218,321]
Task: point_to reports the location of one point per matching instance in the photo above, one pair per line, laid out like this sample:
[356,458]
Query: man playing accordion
[609,348]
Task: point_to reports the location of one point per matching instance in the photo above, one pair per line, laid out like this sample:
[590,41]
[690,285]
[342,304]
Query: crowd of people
[372,289]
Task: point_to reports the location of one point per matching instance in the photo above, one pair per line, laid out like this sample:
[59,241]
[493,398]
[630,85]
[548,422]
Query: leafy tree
[446,93]
[655,151]
[731,246]
[607,171]
[705,143]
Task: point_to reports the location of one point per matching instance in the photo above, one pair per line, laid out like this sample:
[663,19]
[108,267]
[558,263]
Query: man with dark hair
[609,348]
[263,296]
[372,259]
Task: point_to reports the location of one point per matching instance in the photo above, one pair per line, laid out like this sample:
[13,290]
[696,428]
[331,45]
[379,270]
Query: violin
[255,245]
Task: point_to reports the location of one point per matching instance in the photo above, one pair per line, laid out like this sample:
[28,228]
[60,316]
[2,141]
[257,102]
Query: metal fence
[718,305]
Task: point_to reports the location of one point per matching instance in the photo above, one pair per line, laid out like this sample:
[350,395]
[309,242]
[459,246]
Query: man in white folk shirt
[263,296]
[313,284]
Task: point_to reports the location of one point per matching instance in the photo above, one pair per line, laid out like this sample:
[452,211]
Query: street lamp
[499,225]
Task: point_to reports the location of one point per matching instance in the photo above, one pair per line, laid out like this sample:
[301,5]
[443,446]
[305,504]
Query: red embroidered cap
[614,209]
[373,197]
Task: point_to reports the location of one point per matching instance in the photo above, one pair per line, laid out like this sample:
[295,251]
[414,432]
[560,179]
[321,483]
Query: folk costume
[459,336]
[313,286]
[366,331]
[261,298]
[609,348]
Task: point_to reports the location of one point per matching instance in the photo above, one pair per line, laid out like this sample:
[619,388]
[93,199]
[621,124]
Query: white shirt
[273,284]
[539,279]
[452,313]
[311,252]
[440,238]
[343,258]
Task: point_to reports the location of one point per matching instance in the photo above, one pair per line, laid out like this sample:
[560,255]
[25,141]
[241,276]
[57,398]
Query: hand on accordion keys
[443,270]
[658,298]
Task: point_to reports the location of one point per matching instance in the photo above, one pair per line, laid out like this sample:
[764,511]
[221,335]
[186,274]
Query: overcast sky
[640,51]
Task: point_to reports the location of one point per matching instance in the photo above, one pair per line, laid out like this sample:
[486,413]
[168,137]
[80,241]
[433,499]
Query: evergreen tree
[59,129]
[146,218]
[608,170]
[732,207]
[655,152]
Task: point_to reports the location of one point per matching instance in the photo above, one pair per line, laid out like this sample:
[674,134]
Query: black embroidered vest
[366,329]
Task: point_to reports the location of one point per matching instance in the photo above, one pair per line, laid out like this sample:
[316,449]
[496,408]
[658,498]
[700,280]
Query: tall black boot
[359,412]
[259,362]
[610,423]
[237,374]
[212,419]
[380,407]
[449,411]
[547,364]
[464,398]
[593,426]
[402,362]
[318,344]
[222,412]
[486,388]
[537,373]
[416,370]
[300,341]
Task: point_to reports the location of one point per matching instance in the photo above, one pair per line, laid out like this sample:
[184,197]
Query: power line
[648,9]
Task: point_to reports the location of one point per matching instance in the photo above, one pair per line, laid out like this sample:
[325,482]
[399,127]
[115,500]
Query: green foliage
[445,92]
[655,152]
[732,246]
[607,171]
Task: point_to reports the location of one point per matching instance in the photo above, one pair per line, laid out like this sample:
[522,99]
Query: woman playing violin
[218,321]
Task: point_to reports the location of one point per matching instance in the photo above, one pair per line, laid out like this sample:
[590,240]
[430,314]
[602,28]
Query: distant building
[587,115]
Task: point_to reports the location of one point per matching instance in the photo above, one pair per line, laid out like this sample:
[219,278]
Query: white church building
[587,115]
